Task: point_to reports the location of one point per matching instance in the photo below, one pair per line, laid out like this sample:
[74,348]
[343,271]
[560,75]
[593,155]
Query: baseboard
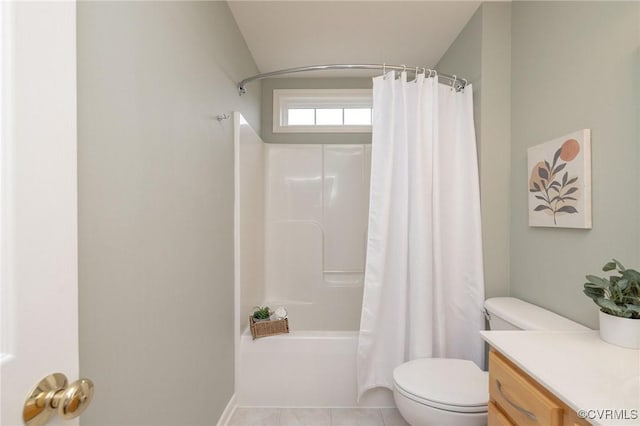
[228,411]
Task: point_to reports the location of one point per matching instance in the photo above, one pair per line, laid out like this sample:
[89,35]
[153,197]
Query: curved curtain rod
[458,83]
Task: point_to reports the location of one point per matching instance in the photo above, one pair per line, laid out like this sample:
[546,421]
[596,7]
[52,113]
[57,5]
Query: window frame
[285,99]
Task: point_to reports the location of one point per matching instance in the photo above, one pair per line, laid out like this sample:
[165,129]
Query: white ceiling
[286,34]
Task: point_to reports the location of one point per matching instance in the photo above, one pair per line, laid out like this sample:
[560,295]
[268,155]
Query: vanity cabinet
[517,399]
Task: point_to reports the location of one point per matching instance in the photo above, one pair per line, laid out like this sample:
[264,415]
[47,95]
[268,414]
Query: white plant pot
[620,331]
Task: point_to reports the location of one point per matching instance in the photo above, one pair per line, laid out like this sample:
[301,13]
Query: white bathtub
[302,369]
[300,227]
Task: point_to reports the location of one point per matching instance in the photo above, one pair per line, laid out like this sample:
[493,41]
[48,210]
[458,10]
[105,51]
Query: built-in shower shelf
[343,278]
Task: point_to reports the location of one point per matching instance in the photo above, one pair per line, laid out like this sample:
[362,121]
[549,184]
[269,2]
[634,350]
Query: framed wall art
[560,182]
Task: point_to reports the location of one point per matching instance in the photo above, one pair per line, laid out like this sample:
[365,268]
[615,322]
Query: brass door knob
[53,394]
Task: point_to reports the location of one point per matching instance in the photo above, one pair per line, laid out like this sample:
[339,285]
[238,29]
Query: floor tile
[305,417]
[392,417]
[255,417]
[356,417]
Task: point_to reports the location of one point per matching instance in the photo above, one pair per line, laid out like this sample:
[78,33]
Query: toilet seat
[448,384]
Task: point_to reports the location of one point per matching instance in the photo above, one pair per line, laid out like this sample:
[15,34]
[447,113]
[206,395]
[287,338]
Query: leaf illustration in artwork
[543,173]
[567,209]
[557,155]
[559,168]
[571,190]
[553,183]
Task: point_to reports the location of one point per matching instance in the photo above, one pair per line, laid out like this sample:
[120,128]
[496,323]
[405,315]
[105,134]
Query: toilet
[455,392]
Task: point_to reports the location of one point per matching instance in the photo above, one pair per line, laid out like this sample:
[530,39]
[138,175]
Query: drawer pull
[527,413]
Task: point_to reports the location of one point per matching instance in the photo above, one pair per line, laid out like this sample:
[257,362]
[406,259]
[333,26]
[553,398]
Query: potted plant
[618,297]
[261,313]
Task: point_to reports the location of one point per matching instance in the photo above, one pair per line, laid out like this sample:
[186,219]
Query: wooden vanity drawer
[496,418]
[518,397]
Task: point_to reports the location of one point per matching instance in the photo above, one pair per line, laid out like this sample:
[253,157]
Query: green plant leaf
[261,312]
[593,293]
[592,285]
[610,266]
[622,284]
[572,180]
[631,275]
[564,178]
[540,197]
[620,267]
[542,207]
[634,308]
[609,305]
[601,282]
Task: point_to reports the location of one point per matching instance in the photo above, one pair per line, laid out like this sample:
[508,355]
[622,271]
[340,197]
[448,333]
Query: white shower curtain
[423,285]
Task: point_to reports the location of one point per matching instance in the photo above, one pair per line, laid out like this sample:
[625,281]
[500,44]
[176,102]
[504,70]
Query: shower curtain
[423,284]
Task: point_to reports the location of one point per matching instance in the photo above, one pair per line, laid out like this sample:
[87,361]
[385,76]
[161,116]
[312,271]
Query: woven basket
[268,328]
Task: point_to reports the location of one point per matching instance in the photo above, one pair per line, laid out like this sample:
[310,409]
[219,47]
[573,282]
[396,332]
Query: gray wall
[482,54]
[575,66]
[156,207]
[269,84]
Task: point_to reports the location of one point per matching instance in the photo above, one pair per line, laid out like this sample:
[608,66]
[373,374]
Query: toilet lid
[454,384]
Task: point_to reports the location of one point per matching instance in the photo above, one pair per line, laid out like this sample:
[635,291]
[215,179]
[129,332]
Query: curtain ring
[465,83]
[404,68]
[417,72]
[453,85]
[384,70]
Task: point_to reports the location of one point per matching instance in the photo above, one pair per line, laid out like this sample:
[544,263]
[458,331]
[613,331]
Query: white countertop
[579,368]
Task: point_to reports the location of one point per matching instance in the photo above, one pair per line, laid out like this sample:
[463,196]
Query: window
[322,111]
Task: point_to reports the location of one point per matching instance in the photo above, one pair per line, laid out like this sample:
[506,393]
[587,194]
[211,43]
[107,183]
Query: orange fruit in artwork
[570,149]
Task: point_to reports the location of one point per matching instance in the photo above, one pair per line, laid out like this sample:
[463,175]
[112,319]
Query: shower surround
[316,216]
[301,223]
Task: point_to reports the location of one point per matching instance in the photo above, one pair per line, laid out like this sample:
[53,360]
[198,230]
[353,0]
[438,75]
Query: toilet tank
[509,313]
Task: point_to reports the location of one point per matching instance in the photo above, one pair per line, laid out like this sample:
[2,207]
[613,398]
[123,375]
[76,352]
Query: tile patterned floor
[317,417]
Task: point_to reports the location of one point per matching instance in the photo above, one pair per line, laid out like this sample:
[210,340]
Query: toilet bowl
[455,392]
[442,392]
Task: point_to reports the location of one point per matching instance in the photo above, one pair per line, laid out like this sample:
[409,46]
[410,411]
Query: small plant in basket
[261,313]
